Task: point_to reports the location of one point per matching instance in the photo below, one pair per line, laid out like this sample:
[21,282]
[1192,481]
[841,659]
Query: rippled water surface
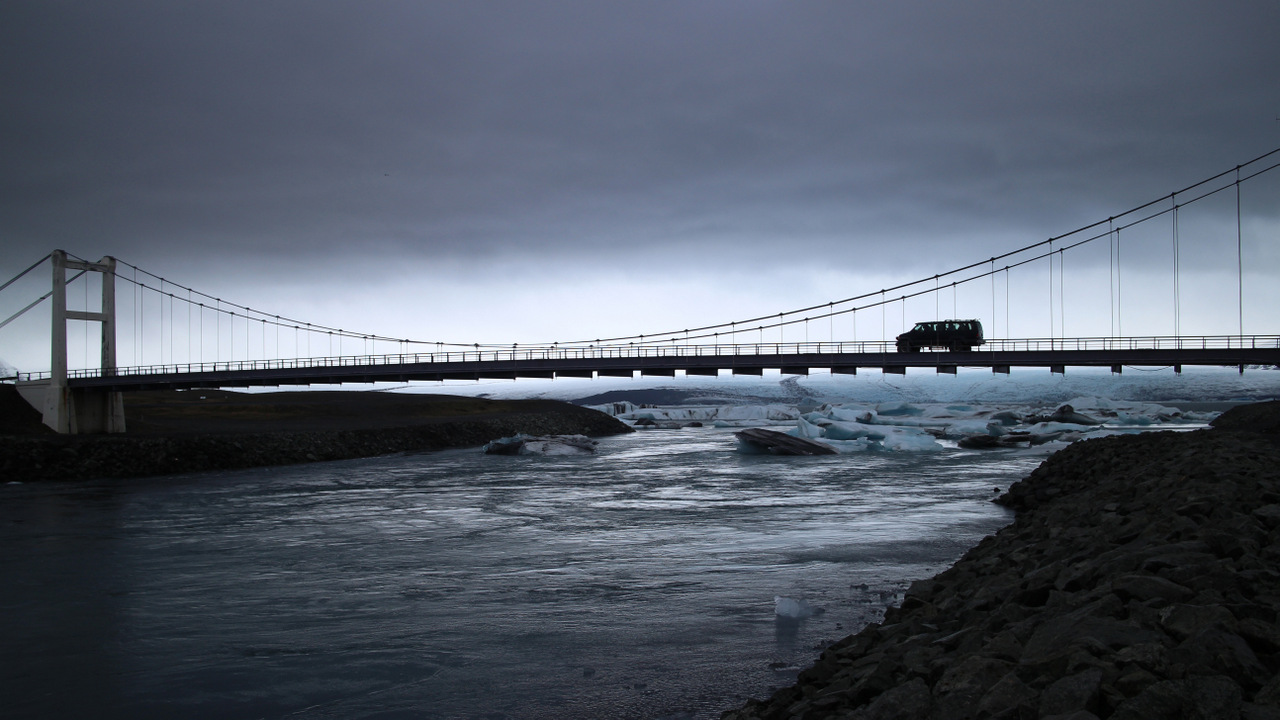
[635,583]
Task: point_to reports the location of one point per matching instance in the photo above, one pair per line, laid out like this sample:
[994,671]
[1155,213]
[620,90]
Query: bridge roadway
[693,360]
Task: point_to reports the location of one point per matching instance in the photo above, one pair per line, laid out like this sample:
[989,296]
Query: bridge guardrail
[597,352]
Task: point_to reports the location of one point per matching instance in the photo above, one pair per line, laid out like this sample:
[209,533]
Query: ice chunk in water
[908,439]
[852,431]
[859,414]
[806,429]
[898,408]
[541,445]
[785,607]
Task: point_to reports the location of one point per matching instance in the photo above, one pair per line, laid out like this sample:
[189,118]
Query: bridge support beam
[657,372]
[82,411]
[588,374]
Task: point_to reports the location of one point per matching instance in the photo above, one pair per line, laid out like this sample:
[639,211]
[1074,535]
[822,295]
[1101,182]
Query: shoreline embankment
[1140,579]
[196,431]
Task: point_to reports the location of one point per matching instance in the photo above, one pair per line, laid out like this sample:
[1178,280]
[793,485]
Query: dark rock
[1184,621]
[905,702]
[1207,697]
[1262,636]
[1249,711]
[1255,418]
[1148,587]
[964,684]
[1010,696]
[1216,649]
[1072,693]
[779,443]
[979,442]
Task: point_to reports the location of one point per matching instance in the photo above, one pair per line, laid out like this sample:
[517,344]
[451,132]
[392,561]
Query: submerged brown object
[778,443]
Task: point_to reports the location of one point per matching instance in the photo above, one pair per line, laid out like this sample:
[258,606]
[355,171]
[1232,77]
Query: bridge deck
[488,365]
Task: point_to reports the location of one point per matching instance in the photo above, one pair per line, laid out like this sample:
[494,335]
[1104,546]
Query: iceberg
[851,431]
[898,408]
[1007,417]
[905,439]
[852,446]
[863,415]
[615,409]
[976,426]
[721,416]
[806,429]
[541,445]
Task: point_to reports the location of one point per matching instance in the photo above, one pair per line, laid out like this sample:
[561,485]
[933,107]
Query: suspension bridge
[178,337]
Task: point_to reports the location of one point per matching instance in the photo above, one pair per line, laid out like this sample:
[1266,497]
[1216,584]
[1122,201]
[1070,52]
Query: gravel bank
[1141,579]
[186,432]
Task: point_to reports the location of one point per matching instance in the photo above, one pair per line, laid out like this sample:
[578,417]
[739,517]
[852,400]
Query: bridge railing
[664,350]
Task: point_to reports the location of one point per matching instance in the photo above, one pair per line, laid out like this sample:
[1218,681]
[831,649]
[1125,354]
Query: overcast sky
[527,171]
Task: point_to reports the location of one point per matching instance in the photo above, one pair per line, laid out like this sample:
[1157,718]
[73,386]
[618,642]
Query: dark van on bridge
[953,335]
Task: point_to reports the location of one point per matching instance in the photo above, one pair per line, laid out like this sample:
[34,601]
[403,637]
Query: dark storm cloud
[474,131]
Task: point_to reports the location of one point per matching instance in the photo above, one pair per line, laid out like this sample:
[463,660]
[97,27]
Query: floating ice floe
[541,445]
[793,608]
[915,427]
[857,437]
[903,426]
[836,430]
[720,416]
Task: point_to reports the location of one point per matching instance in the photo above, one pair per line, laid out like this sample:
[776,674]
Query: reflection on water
[638,582]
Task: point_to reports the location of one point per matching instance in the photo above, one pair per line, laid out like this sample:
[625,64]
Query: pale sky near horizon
[535,171]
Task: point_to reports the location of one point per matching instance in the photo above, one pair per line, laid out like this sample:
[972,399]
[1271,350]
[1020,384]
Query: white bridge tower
[86,410]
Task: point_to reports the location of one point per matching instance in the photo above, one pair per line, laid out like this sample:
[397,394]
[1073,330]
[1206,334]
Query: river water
[638,582]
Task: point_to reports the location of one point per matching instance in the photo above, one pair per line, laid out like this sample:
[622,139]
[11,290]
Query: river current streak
[638,582]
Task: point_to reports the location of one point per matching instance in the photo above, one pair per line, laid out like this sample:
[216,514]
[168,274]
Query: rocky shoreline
[1140,579]
[191,446]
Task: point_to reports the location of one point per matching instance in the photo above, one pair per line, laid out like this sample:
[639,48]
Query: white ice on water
[901,426]
[923,412]
[938,407]
[793,608]
[554,446]
[719,416]
[541,445]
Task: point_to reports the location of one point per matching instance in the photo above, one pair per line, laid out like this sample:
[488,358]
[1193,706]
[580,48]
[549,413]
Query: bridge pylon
[82,411]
